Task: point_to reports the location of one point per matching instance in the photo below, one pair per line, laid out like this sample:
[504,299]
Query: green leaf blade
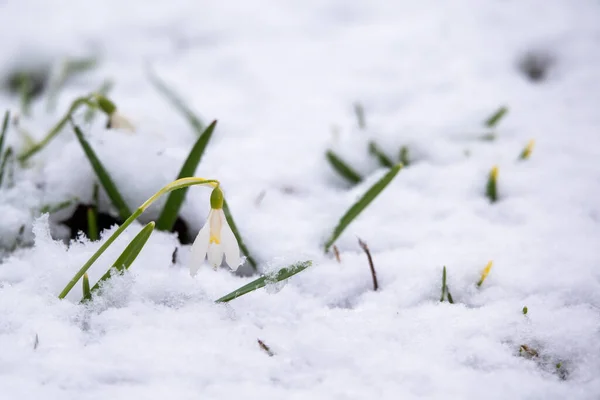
[170,211]
[495,118]
[4,129]
[281,275]
[383,159]
[342,168]
[103,176]
[361,204]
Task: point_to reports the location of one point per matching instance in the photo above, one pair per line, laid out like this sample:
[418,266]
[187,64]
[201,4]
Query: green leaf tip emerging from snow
[361,204]
[103,176]
[495,118]
[491,188]
[170,211]
[342,168]
[176,102]
[445,290]
[279,276]
[383,159]
[127,257]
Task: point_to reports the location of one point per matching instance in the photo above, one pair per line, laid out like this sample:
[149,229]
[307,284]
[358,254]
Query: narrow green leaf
[237,235]
[525,310]
[380,155]
[450,299]
[87,294]
[25,86]
[176,102]
[170,211]
[491,189]
[443,284]
[4,129]
[495,118]
[103,90]
[92,224]
[128,255]
[446,289]
[279,276]
[527,150]
[52,208]
[361,204]
[5,159]
[404,158]
[342,168]
[103,176]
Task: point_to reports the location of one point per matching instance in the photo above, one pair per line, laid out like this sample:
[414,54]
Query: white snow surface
[278,75]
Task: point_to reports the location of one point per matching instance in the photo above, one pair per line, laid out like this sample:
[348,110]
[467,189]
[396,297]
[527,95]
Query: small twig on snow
[336,252]
[364,246]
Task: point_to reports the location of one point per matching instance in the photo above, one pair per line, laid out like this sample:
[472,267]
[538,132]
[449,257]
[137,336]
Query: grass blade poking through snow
[176,102]
[4,129]
[491,189]
[176,185]
[279,276]
[495,118]
[485,273]
[361,204]
[342,168]
[128,255]
[445,290]
[404,158]
[92,223]
[170,211]
[384,160]
[237,235]
[8,154]
[87,294]
[527,150]
[103,176]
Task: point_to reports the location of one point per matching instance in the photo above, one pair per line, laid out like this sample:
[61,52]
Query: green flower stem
[57,128]
[175,185]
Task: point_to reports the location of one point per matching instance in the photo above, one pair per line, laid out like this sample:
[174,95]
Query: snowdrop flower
[115,119]
[215,239]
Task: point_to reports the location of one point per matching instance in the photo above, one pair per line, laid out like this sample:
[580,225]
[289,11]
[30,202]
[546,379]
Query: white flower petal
[199,249]
[215,255]
[117,121]
[230,246]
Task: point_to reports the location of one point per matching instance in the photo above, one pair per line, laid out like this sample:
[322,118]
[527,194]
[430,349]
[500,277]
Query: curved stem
[175,185]
[57,128]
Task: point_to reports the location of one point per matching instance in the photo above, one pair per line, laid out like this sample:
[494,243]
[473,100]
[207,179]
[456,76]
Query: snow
[279,76]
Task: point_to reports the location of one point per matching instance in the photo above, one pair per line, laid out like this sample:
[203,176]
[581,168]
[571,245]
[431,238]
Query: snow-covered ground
[280,77]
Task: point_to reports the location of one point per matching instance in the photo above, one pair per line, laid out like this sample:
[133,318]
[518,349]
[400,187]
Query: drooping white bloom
[215,239]
[118,121]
